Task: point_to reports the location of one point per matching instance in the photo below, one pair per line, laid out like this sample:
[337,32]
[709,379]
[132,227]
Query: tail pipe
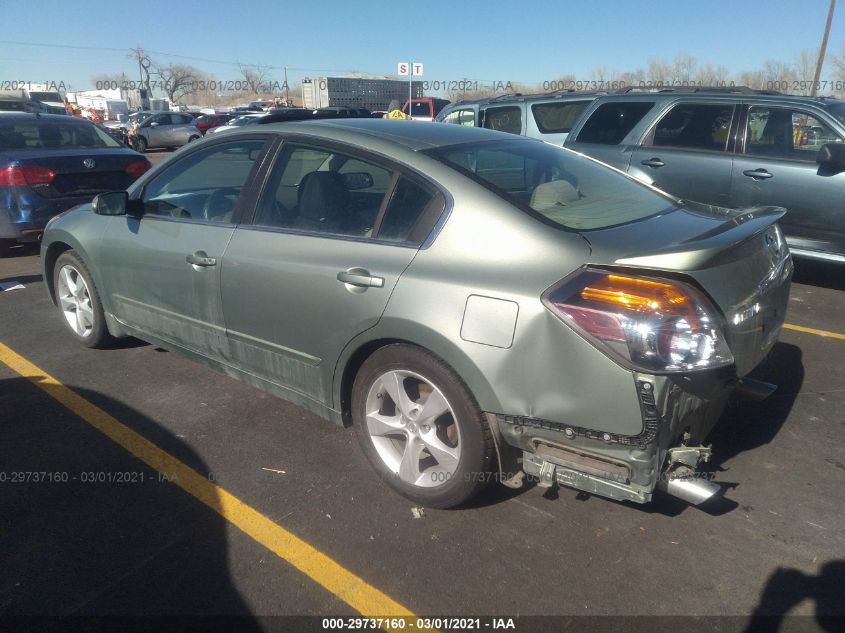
[694,490]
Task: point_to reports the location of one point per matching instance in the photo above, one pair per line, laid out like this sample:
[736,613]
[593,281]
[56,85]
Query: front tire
[140,145]
[79,301]
[420,427]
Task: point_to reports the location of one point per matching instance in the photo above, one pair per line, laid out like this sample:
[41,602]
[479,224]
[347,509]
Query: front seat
[323,198]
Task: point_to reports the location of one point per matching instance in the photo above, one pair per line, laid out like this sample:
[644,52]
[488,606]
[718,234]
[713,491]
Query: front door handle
[653,162]
[360,278]
[757,174]
[201,259]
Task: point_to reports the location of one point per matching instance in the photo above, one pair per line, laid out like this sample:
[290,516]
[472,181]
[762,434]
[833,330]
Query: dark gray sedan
[480,306]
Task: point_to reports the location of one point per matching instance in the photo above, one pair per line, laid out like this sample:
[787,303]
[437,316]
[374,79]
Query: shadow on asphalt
[823,274]
[89,530]
[23,279]
[748,424]
[786,588]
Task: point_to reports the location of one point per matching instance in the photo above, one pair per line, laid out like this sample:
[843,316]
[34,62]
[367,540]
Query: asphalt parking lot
[286,516]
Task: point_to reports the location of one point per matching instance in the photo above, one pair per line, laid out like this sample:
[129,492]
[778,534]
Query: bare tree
[256,77]
[178,80]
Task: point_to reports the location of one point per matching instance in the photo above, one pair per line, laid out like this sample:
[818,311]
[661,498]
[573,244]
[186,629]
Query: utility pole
[287,89]
[820,62]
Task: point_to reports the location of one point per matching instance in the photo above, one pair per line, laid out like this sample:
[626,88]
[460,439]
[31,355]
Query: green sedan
[481,307]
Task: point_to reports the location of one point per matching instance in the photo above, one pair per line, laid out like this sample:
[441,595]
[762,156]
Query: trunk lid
[738,257]
[80,172]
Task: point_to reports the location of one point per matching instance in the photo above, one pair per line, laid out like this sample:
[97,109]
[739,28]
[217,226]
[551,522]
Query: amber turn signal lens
[641,295]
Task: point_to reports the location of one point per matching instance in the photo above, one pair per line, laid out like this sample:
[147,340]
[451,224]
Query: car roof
[413,135]
[561,95]
[37,116]
[719,94]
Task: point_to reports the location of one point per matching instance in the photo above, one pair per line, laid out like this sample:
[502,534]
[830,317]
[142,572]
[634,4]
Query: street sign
[404,69]
[418,69]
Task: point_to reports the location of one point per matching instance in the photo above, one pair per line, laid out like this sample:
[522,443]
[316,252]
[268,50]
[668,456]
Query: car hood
[738,257]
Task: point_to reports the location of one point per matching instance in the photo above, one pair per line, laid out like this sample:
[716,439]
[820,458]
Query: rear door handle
[653,162]
[360,278]
[757,174]
[201,259]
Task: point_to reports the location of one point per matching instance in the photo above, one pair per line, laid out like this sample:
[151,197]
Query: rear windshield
[556,185]
[42,135]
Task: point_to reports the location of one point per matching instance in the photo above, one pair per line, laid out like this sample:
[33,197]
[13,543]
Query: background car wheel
[420,427]
[141,144]
[79,301]
[193,138]
[6,247]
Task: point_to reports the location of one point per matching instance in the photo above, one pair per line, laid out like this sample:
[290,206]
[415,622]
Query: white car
[234,124]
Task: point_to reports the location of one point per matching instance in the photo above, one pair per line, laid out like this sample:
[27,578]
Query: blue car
[50,163]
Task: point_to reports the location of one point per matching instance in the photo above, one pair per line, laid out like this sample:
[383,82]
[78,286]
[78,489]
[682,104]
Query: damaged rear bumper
[677,414]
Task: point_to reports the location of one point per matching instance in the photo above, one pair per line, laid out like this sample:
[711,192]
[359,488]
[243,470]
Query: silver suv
[731,147]
[548,116]
[165,129]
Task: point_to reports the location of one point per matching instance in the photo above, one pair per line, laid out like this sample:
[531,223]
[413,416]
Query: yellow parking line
[809,330]
[357,593]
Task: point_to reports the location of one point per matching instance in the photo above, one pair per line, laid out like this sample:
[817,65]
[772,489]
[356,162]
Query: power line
[175,55]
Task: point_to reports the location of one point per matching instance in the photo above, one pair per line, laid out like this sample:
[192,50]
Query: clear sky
[492,40]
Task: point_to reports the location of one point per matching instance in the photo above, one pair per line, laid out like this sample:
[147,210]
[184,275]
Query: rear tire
[141,145]
[433,446]
[79,301]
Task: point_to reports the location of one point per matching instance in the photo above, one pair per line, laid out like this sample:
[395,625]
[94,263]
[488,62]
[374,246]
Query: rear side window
[409,214]
[695,126]
[460,117]
[557,117]
[611,122]
[784,133]
[504,119]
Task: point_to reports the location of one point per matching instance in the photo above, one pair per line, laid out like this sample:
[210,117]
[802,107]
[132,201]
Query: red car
[208,121]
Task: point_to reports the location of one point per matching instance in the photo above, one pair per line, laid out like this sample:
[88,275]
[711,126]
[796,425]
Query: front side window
[204,185]
[612,122]
[785,133]
[695,126]
[504,119]
[557,117]
[555,185]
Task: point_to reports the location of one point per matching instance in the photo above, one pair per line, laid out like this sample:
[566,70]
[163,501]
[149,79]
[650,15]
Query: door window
[204,185]
[504,119]
[611,122]
[785,133]
[694,126]
[557,117]
[321,190]
[460,117]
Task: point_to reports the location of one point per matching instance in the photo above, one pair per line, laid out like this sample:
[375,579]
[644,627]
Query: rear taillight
[26,175]
[651,324]
[138,168]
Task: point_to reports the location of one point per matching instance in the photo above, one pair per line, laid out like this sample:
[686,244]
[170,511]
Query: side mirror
[111,203]
[116,203]
[153,124]
[832,155]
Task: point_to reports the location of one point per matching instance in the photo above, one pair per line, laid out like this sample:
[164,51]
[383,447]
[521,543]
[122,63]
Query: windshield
[557,185]
[41,135]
